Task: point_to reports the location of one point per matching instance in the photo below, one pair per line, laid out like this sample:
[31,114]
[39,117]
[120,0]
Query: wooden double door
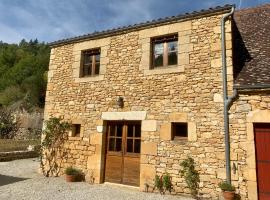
[262,144]
[123,147]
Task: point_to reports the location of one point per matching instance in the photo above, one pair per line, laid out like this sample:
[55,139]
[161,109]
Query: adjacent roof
[252,47]
[153,23]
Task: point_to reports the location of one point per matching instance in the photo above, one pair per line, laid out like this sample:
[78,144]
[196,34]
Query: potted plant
[73,174]
[228,190]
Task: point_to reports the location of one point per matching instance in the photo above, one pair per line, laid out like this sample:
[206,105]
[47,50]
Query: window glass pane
[158,48]
[119,130]
[172,46]
[118,146]
[97,57]
[137,146]
[158,54]
[87,58]
[97,68]
[112,130]
[137,131]
[130,145]
[111,144]
[86,70]
[130,131]
[172,58]
[158,60]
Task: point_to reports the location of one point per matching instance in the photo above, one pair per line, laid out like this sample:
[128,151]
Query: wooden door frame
[124,123]
[256,125]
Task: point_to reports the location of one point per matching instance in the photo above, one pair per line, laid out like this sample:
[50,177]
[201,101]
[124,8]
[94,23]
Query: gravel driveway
[19,180]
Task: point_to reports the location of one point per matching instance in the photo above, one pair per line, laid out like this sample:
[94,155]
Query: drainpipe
[226,100]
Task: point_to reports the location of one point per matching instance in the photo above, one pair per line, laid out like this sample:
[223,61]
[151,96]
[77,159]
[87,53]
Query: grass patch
[16,145]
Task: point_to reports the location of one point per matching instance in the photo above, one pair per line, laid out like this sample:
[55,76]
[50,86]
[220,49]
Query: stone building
[143,98]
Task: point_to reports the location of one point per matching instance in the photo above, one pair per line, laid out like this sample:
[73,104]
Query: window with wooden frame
[164,51]
[75,130]
[179,131]
[90,64]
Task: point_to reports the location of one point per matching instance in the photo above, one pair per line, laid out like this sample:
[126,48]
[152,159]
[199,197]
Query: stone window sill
[90,78]
[180,140]
[164,70]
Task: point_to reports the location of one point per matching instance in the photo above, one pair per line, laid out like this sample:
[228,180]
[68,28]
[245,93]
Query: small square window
[90,64]
[179,131]
[164,51]
[76,130]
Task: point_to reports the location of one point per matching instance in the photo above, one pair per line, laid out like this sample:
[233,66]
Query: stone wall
[15,155]
[189,92]
[249,108]
[30,125]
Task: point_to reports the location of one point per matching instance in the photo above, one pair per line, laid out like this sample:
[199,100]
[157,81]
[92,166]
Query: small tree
[8,124]
[190,175]
[52,151]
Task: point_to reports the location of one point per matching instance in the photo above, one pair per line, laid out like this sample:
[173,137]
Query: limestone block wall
[248,109]
[189,92]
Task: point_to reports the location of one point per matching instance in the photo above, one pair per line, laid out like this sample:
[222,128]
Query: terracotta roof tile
[252,47]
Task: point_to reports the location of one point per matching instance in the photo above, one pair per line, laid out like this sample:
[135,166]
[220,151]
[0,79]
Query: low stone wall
[30,125]
[14,155]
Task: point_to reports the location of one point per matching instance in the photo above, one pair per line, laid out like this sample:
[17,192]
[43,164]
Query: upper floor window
[164,51]
[90,62]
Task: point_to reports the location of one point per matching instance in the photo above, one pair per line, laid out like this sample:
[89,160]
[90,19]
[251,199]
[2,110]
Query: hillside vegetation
[23,75]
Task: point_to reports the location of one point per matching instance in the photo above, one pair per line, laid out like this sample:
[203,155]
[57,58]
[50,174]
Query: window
[76,130]
[179,131]
[164,51]
[90,62]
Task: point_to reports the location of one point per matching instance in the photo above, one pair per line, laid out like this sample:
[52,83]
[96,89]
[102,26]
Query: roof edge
[140,26]
[252,87]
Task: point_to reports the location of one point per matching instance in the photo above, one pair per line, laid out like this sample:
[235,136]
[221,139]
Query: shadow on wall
[5,180]
[240,52]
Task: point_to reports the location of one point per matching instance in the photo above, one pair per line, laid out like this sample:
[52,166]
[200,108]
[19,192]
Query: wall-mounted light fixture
[120,102]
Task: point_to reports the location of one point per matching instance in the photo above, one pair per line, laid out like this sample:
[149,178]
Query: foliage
[8,124]
[52,149]
[225,186]
[163,183]
[190,175]
[73,171]
[158,183]
[167,183]
[22,69]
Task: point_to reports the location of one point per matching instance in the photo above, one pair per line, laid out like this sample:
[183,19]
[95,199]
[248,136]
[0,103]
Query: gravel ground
[19,180]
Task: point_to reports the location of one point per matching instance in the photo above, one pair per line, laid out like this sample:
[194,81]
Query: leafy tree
[22,69]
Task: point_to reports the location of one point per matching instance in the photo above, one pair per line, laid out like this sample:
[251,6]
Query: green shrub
[167,183]
[73,171]
[224,186]
[158,183]
[190,175]
[163,183]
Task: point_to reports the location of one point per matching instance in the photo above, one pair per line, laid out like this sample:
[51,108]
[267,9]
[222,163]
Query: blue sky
[50,20]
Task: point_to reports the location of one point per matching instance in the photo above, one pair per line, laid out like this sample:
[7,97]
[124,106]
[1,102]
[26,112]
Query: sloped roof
[153,23]
[251,43]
